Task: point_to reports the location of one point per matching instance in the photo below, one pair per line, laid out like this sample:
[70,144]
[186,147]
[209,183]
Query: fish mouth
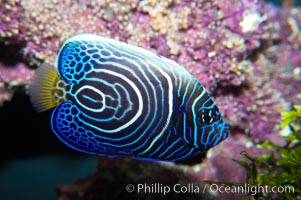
[224,132]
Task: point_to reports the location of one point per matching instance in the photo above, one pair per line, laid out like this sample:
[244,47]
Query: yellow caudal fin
[46,90]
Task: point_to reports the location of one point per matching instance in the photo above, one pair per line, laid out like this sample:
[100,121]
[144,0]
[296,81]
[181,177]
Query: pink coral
[12,77]
[246,53]
[10,21]
[227,45]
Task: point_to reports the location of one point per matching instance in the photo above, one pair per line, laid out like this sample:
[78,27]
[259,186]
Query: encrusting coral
[233,47]
[246,53]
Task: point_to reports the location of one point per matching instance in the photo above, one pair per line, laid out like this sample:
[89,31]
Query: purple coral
[246,53]
[10,21]
[12,77]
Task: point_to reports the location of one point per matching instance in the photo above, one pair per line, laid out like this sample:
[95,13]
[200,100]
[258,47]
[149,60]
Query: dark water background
[33,161]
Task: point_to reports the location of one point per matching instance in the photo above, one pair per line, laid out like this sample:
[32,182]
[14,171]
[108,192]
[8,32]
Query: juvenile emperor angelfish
[115,99]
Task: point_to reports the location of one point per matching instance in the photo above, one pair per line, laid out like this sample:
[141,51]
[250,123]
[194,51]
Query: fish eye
[207,116]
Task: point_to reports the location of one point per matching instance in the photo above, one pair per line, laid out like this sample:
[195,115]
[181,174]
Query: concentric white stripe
[170,106]
[140,102]
[95,90]
[157,63]
[194,114]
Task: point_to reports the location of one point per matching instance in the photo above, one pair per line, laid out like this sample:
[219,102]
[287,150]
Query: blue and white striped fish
[116,99]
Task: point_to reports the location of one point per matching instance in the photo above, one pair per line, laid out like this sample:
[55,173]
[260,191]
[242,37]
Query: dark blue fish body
[115,99]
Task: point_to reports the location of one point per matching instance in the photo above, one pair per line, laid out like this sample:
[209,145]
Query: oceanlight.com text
[250,189]
[159,188]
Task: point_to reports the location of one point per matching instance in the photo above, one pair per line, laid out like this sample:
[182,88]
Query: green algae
[280,167]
